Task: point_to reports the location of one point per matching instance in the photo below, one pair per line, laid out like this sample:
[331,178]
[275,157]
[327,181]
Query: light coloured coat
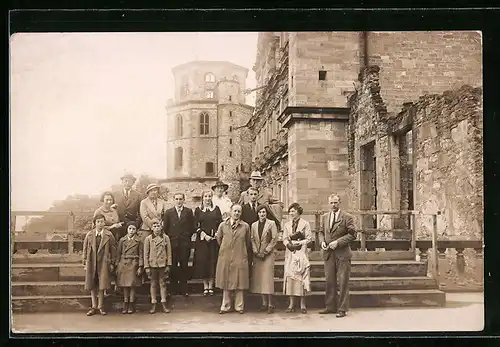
[157,251]
[300,257]
[263,269]
[101,257]
[232,271]
[149,212]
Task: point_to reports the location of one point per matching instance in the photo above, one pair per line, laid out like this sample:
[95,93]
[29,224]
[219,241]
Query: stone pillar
[317,146]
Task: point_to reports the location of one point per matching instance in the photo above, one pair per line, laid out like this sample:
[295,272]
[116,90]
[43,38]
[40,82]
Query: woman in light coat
[264,235]
[151,208]
[296,237]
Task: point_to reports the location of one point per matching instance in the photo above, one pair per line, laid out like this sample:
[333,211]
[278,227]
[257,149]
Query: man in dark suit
[179,225]
[249,216]
[128,202]
[337,232]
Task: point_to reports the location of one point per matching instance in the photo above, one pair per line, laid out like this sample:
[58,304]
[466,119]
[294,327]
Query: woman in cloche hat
[221,200]
[152,208]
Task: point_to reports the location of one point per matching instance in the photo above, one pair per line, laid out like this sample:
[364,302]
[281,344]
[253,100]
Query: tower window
[209,169]
[222,168]
[230,128]
[230,114]
[204,123]
[322,75]
[209,94]
[230,141]
[209,77]
[179,125]
[237,169]
[178,158]
[230,98]
[230,153]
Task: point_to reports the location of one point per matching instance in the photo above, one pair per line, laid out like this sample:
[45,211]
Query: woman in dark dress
[208,217]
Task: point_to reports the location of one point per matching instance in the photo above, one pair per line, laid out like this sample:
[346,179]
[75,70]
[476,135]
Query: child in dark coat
[130,265]
[157,263]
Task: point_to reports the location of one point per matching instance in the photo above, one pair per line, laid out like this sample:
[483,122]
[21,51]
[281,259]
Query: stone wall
[317,161]
[416,63]
[447,152]
[337,53]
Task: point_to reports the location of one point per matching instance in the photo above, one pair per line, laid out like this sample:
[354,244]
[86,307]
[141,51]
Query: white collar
[205,208]
[179,209]
[97,232]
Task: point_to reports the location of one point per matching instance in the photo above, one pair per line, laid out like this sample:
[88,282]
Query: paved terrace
[463,312]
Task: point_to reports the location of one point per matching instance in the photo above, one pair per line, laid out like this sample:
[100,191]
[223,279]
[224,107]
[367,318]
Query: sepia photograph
[232,182]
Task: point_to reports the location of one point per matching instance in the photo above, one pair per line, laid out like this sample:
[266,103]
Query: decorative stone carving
[267,153]
[274,146]
[283,138]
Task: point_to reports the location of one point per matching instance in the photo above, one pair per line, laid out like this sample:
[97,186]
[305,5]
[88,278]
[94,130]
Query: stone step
[315,300]
[196,286]
[280,255]
[75,272]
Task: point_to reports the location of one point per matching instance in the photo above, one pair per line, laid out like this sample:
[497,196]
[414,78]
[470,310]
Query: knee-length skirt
[263,275]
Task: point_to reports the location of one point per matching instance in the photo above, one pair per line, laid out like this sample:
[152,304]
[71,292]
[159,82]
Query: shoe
[270,309]
[186,294]
[125,308]
[263,308]
[290,310]
[153,308]
[91,312]
[131,308]
[303,310]
[241,312]
[211,292]
[165,308]
[341,314]
[224,312]
[102,312]
[205,292]
[326,311]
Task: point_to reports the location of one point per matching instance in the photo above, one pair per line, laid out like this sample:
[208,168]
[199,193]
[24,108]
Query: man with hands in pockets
[335,236]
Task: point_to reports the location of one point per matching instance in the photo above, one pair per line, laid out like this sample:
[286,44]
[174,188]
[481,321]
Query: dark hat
[220,184]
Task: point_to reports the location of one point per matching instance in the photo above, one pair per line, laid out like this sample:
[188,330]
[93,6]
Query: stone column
[317,146]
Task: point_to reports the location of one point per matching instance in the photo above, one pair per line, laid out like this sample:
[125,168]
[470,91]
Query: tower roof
[208,62]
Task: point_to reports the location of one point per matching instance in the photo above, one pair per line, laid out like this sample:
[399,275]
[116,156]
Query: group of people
[134,239]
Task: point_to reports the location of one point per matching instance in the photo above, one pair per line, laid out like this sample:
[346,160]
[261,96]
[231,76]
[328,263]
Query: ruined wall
[416,63]
[448,151]
[447,156]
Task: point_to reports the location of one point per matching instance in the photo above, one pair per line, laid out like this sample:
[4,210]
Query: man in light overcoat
[337,232]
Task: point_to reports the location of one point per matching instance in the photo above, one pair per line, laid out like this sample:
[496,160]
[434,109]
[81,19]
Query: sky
[85,107]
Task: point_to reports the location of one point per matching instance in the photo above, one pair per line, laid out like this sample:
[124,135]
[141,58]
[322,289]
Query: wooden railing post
[435,271]
[317,226]
[413,229]
[71,230]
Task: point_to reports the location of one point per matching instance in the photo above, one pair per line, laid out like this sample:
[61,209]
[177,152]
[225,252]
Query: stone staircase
[54,283]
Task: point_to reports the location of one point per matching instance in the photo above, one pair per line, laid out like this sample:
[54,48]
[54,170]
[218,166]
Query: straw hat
[152,186]
[255,175]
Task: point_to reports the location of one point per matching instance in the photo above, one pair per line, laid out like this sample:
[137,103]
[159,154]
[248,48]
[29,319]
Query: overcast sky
[86,107]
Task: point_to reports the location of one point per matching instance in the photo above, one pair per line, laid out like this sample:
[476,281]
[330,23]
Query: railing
[366,241]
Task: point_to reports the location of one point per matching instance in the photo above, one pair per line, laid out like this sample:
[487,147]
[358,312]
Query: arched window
[204,123]
[179,125]
[178,158]
[209,77]
[209,94]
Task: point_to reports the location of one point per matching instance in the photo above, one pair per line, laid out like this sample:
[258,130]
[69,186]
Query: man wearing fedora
[128,202]
[263,197]
[221,200]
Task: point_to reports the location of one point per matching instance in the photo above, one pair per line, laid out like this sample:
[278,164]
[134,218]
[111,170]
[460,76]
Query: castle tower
[206,133]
